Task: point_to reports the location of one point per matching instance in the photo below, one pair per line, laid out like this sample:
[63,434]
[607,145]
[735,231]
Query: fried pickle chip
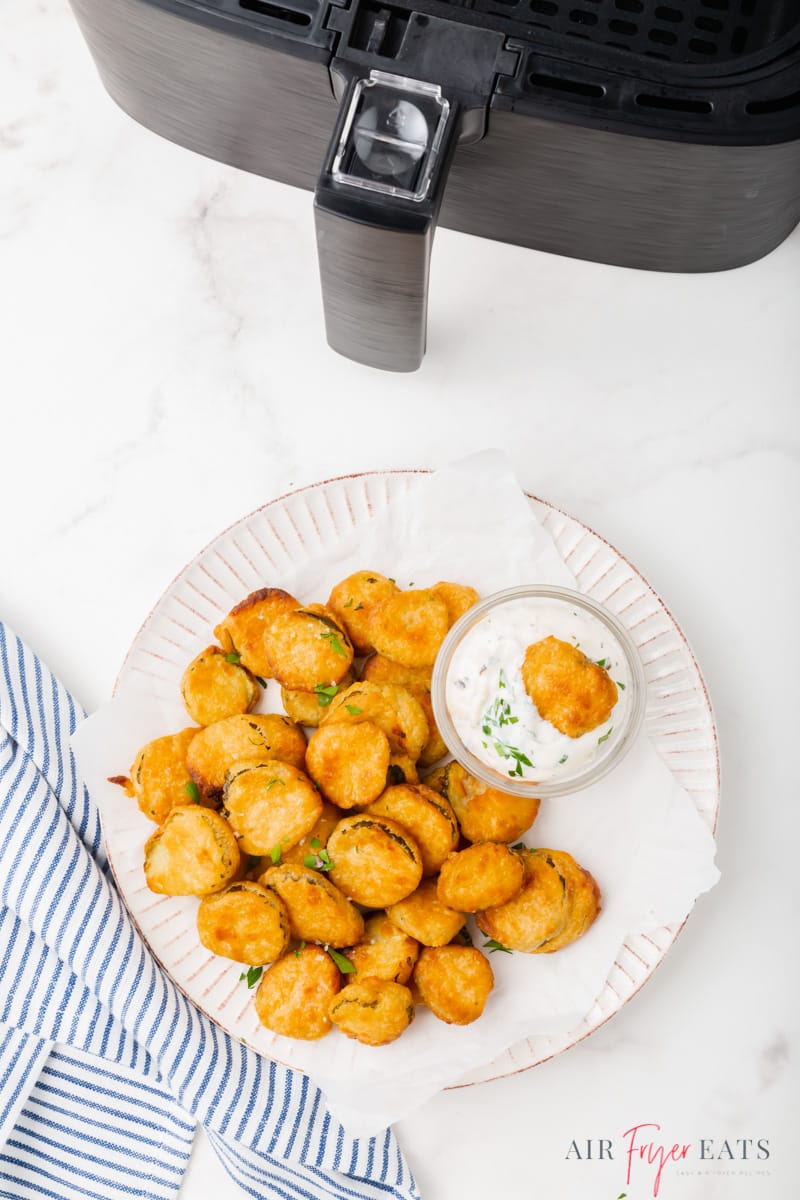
[215,685]
[454,982]
[410,627]
[194,853]
[242,630]
[254,737]
[536,914]
[392,708]
[308,708]
[384,952]
[483,875]
[349,762]
[417,680]
[353,602]
[312,842]
[245,922]
[424,917]
[318,910]
[484,814]
[570,691]
[305,645]
[375,861]
[426,815]
[269,804]
[295,994]
[583,901]
[458,597]
[373,1011]
[159,775]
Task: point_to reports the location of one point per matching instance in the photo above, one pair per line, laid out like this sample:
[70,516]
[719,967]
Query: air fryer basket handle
[375,209]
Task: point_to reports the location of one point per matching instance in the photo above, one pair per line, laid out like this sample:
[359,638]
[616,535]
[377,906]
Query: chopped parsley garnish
[263,682]
[233,658]
[302,946]
[357,607]
[336,645]
[321,861]
[496,717]
[620,684]
[353,709]
[349,603]
[252,975]
[493,946]
[193,791]
[605,736]
[602,662]
[315,843]
[275,855]
[563,759]
[341,960]
[325,691]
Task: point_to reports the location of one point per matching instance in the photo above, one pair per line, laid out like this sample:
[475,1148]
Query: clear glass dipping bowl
[607,756]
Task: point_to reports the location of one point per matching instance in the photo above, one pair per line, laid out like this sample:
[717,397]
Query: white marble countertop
[164,371]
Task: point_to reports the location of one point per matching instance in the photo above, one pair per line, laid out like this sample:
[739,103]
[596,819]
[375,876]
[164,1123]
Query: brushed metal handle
[375,210]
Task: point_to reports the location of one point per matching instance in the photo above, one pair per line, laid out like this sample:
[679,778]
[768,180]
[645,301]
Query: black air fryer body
[645,134]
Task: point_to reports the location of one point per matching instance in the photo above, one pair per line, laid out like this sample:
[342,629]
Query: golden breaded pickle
[569,690]
[458,597]
[159,775]
[417,681]
[375,861]
[384,952]
[253,737]
[312,842]
[426,815]
[353,601]
[215,685]
[483,875]
[306,645]
[308,708]
[194,853]
[245,922]
[269,804]
[393,709]
[295,994]
[454,982]
[373,1011]
[410,627]
[349,762]
[242,630]
[536,914]
[583,901]
[424,917]
[318,910]
[484,814]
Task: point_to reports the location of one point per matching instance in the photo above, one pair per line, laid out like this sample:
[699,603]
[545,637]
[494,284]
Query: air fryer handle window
[375,208]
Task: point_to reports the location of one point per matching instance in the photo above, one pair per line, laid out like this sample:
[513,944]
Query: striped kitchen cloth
[105,1067]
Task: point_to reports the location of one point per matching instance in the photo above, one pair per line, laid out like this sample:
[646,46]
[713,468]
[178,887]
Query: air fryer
[663,136]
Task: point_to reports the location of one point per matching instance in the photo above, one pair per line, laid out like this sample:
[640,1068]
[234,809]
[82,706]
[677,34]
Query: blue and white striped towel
[105,1067]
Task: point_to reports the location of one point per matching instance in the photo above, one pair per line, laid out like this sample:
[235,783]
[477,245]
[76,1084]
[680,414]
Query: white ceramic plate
[290,531]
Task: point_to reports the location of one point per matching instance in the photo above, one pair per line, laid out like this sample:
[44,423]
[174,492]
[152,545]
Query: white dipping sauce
[493,714]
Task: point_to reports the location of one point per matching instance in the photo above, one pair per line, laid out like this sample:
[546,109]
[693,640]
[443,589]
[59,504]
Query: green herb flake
[349,603]
[357,607]
[275,855]
[392,580]
[354,710]
[341,960]
[605,736]
[193,791]
[252,975]
[519,846]
[273,781]
[325,692]
[563,759]
[299,949]
[263,682]
[315,843]
[336,645]
[602,662]
[620,684]
[492,946]
[310,861]
[233,658]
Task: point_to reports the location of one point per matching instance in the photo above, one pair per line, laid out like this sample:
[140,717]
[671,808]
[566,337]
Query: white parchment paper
[637,830]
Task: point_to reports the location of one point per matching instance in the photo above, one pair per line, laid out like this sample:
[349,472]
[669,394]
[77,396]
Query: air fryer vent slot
[681,31]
